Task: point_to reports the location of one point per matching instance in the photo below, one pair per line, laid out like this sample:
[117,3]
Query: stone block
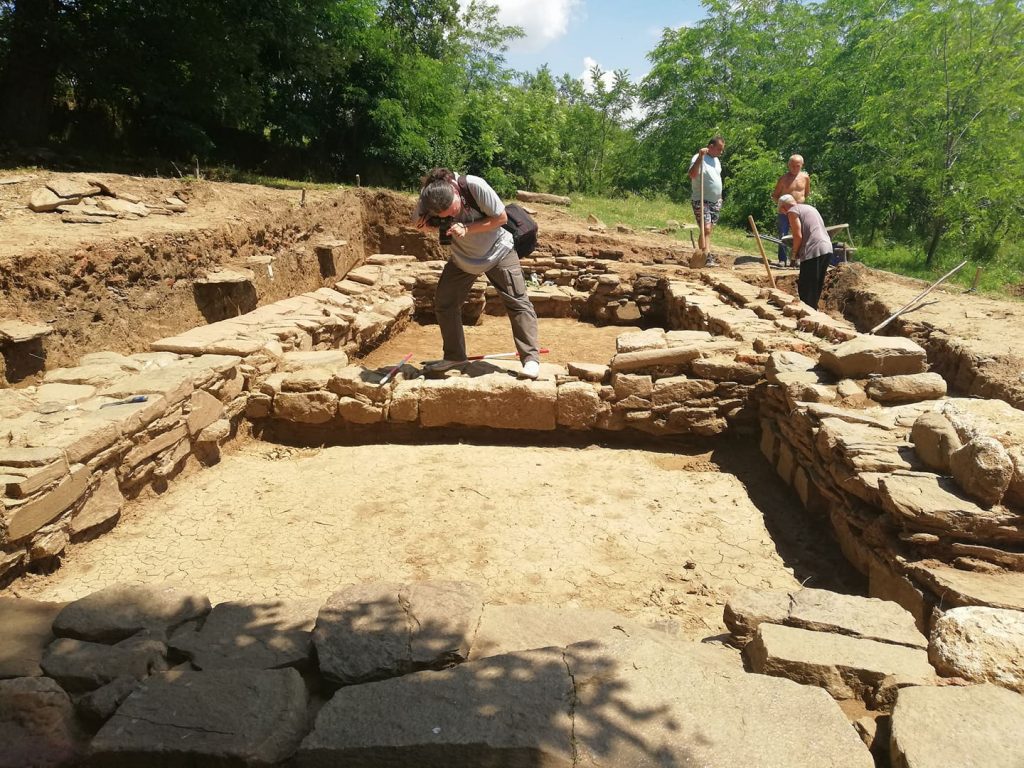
[120,611]
[909,388]
[37,722]
[931,503]
[357,411]
[866,354]
[219,717]
[631,385]
[721,368]
[355,381]
[145,450]
[935,439]
[785,361]
[81,666]
[981,645]
[80,438]
[306,380]
[47,544]
[306,407]
[204,409]
[680,389]
[375,631]
[497,401]
[944,727]
[747,609]
[239,635]
[589,372]
[329,359]
[846,667]
[30,517]
[579,405]
[405,401]
[103,505]
[24,634]
[36,478]
[983,469]
[653,338]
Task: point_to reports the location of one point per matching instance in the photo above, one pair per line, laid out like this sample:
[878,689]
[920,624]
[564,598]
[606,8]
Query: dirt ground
[656,535]
[567,340]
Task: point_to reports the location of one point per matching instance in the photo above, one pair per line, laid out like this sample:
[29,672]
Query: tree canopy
[909,113]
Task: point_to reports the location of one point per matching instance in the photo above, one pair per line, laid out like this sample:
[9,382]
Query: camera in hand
[443,224]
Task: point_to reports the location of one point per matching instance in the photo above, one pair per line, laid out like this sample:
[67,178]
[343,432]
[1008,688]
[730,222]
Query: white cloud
[543,21]
[635,112]
[587,76]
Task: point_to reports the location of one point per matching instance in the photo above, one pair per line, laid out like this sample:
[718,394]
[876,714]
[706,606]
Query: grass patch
[641,213]
[234,175]
[1001,277]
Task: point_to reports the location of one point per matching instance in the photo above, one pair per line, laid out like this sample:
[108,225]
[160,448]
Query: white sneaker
[531,369]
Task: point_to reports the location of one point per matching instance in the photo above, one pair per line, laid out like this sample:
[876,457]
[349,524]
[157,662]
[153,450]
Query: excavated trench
[738,518]
[690,439]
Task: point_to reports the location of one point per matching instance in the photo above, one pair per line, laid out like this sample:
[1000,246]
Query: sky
[572,35]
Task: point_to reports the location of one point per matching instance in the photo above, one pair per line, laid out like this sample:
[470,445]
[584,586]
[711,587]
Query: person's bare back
[796,181]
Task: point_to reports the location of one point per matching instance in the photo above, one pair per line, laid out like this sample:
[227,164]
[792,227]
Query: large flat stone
[822,611]
[974,727]
[383,629]
[30,517]
[25,631]
[81,438]
[1000,589]
[497,401]
[932,503]
[846,667]
[643,703]
[120,611]
[223,717]
[631,703]
[864,355]
[36,724]
[865,617]
[505,710]
[18,332]
[270,635]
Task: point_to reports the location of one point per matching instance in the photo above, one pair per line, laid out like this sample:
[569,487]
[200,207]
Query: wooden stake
[917,298]
[977,276]
[703,233]
[760,247]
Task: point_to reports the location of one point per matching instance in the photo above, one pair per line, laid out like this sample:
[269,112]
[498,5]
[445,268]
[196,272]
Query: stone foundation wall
[75,447]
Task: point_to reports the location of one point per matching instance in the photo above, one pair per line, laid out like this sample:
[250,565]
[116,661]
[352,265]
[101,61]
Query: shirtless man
[796,182]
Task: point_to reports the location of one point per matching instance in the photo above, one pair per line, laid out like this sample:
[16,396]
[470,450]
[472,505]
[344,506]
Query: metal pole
[917,298]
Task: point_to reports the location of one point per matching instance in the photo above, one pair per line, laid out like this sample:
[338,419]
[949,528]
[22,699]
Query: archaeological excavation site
[243,524]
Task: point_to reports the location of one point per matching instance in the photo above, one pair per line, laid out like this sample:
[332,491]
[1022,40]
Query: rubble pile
[91,201]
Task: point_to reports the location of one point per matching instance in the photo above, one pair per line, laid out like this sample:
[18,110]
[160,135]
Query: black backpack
[520,223]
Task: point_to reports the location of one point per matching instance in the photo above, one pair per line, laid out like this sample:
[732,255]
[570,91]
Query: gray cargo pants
[508,279]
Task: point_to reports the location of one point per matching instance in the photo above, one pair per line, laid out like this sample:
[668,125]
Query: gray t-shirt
[712,180]
[476,253]
[816,241]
